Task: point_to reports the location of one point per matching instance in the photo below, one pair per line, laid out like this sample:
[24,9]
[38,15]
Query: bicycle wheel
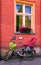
[8,54]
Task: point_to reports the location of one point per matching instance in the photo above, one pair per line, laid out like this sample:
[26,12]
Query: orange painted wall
[7,22]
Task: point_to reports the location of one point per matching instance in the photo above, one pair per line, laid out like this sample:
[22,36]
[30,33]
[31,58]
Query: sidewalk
[36,61]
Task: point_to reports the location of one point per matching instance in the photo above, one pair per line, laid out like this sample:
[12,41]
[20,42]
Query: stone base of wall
[4,52]
[38,50]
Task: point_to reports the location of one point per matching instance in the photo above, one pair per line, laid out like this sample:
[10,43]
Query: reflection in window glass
[28,9]
[19,8]
[18,22]
[28,21]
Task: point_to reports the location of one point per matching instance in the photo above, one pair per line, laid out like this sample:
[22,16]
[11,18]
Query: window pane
[28,9]
[18,8]
[18,22]
[28,21]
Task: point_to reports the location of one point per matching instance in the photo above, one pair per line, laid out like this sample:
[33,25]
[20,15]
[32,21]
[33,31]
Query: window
[25,18]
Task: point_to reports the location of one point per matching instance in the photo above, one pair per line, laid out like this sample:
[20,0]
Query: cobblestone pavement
[35,61]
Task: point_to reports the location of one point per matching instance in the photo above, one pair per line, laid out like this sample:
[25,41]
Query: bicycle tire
[8,54]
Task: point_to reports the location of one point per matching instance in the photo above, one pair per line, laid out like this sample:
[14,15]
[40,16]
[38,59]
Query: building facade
[15,14]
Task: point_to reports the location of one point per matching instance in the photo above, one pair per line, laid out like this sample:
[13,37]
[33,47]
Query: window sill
[24,33]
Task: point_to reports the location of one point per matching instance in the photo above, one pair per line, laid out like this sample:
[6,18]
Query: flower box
[24,30]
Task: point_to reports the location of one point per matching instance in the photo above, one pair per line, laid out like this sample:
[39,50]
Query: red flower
[25,30]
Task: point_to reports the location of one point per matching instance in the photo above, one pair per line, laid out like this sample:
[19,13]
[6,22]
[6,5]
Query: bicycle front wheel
[8,54]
